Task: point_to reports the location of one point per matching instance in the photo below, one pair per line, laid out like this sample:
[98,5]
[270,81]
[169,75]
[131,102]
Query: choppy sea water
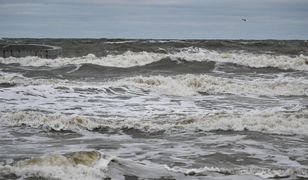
[156,109]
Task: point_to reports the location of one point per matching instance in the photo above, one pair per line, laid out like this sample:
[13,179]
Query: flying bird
[244,19]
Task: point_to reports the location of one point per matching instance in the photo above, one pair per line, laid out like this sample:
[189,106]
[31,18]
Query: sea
[148,109]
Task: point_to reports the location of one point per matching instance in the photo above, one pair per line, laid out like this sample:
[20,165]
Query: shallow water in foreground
[160,110]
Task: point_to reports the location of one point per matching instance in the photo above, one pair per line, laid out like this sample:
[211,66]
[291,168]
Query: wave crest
[192,84]
[130,59]
[267,173]
[78,165]
[266,122]
[49,122]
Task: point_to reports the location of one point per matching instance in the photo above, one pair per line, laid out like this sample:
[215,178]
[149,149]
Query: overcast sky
[189,19]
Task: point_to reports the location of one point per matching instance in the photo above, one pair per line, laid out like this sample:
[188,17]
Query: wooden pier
[23,50]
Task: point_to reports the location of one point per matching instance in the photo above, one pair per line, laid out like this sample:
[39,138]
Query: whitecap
[130,59]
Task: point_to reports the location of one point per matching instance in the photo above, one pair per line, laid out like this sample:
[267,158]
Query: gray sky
[192,19]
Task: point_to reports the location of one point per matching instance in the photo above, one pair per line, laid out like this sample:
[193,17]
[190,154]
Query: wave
[81,71]
[281,122]
[127,59]
[78,165]
[243,58]
[49,122]
[84,165]
[97,165]
[17,79]
[193,84]
[131,59]
[267,173]
[181,85]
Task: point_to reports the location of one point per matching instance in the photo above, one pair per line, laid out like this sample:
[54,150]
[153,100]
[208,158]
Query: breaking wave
[130,59]
[191,84]
[182,85]
[83,165]
[78,165]
[266,122]
[14,79]
[49,122]
[96,165]
[267,173]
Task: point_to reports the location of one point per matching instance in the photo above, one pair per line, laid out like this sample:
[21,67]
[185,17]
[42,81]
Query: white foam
[85,165]
[95,165]
[67,167]
[54,122]
[244,58]
[261,172]
[18,79]
[79,166]
[266,122]
[129,59]
[184,85]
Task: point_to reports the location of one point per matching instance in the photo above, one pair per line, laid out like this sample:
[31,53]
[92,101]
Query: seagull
[244,19]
